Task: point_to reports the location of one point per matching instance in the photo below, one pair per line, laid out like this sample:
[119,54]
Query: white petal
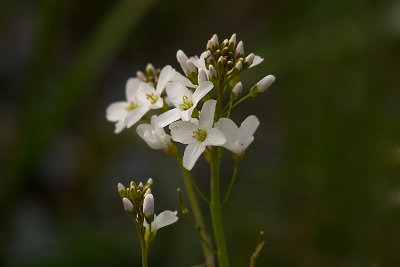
[228,128]
[117,111]
[163,219]
[201,91]
[247,128]
[168,117]
[207,114]
[182,79]
[142,128]
[182,131]
[241,145]
[142,93]
[166,75]
[214,138]
[176,92]
[135,115]
[192,154]
[182,58]
[145,132]
[119,126]
[131,88]
[187,114]
[257,60]
[148,205]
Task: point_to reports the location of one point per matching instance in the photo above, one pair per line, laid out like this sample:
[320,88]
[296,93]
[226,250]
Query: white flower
[165,218]
[155,137]
[197,134]
[118,111]
[184,101]
[128,206]
[238,139]
[140,98]
[149,97]
[257,60]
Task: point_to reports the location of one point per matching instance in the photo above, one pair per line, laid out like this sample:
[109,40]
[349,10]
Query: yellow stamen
[200,135]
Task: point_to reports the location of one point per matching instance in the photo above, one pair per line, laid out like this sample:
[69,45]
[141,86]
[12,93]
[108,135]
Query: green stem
[187,177]
[233,179]
[215,209]
[240,101]
[142,244]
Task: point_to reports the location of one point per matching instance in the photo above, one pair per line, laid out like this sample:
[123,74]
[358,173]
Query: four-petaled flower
[140,98]
[184,101]
[238,139]
[197,134]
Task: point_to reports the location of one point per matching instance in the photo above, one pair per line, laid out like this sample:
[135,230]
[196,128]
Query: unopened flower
[197,134]
[148,205]
[154,136]
[128,206]
[184,101]
[238,139]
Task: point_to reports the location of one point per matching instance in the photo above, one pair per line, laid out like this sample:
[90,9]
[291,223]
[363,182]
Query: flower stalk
[215,208]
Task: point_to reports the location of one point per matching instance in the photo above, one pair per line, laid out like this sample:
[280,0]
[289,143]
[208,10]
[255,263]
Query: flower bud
[233,39]
[249,60]
[214,40]
[229,65]
[182,59]
[237,89]
[121,190]
[132,185]
[212,72]
[209,45]
[224,43]
[224,51]
[148,205]
[140,75]
[140,186]
[128,206]
[149,182]
[240,49]
[262,85]
[148,191]
[221,62]
[150,70]
[202,76]
[190,67]
[265,83]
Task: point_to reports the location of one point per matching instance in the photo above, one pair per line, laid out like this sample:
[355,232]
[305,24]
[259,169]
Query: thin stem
[240,101]
[260,245]
[187,177]
[233,179]
[196,187]
[185,211]
[142,244]
[215,209]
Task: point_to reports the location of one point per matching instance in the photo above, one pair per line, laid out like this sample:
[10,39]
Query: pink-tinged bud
[237,89]
[148,205]
[265,83]
[212,71]
[140,75]
[182,59]
[128,206]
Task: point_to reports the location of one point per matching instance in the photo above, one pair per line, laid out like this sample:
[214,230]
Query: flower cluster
[209,78]
[138,202]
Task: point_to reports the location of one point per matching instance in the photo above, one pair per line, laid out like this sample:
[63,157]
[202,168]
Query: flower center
[200,135]
[186,104]
[131,106]
[152,98]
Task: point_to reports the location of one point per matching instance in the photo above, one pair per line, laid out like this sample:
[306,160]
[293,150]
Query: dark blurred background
[322,178]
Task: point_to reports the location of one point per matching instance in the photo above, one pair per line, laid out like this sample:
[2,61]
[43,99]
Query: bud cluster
[227,56]
[150,75]
[136,201]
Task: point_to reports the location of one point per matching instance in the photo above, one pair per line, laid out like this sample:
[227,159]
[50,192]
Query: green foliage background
[322,178]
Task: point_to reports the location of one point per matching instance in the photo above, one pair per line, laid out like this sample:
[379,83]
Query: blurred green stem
[142,244]
[233,179]
[215,208]
[187,179]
